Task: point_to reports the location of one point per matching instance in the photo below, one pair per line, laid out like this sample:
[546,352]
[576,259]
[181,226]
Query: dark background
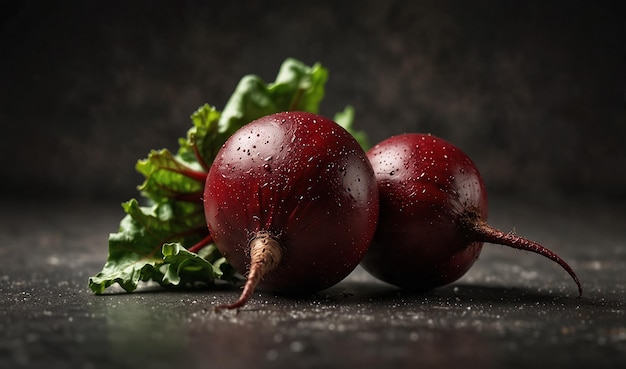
[533,91]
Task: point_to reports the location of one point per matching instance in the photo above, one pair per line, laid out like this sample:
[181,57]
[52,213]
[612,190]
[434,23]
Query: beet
[433,214]
[291,201]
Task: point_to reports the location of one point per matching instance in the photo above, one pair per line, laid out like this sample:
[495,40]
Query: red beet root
[291,200]
[433,212]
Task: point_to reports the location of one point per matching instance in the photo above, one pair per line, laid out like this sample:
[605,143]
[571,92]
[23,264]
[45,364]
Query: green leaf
[167,177]
[168,222]
[345,119]
[297,87]
[182,267]
[135,251]
[203,139]
[132,258]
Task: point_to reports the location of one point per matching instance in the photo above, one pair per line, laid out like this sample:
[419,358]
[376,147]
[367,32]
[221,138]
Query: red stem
[187,232]
[199,157]
[202,243]
[195,197]
[296,100]
[193,174]
[483,232]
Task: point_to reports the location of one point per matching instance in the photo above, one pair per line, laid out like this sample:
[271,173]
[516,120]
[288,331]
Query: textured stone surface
[513,309]
[532,91]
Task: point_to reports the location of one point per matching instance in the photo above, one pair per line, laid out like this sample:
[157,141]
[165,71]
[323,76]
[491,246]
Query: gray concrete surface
[533,91]
[512,310]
